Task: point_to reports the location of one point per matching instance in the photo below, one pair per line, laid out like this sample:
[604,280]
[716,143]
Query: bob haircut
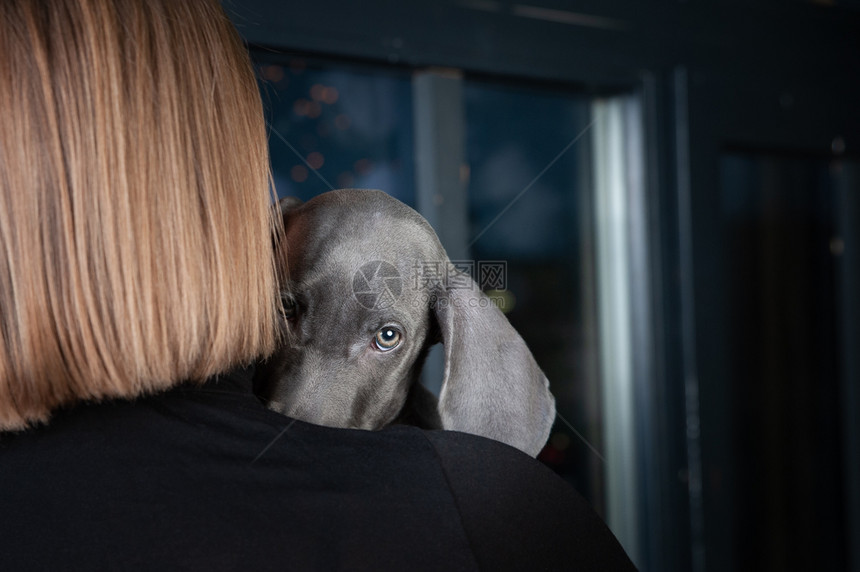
[135,228]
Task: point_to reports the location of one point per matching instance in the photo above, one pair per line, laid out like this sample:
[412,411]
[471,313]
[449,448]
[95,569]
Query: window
[334,128]
[542,181]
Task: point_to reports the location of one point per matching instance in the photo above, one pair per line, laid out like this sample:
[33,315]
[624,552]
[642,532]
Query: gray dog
[365,297]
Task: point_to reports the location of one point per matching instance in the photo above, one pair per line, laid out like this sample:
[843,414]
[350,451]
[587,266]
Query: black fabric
[205,478]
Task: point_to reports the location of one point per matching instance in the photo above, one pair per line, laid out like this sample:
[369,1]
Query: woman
[135,272]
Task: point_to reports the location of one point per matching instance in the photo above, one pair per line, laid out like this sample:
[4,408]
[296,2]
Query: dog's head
[356,329]
[367,291]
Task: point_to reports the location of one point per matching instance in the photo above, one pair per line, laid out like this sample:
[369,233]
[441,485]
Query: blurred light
[316,160]
[342,121]
[503,299]
[560,441]
[299,173]
[314,109]
[465,173]
[837,246]
[272,73]
[323,129]
[551,456]
[362,166]
[838,145]
[317,91]
[345,180]
[300,107]
[566,17]
[330,95]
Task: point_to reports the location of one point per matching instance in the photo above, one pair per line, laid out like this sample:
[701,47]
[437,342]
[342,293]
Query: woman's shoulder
[519,514]
[224,469]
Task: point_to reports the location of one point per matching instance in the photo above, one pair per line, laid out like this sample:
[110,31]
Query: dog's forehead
[345,235]
[347,302]
[362,282]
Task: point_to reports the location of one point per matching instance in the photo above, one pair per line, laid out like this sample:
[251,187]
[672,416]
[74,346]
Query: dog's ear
[288,203]
[284,206]
[492,385]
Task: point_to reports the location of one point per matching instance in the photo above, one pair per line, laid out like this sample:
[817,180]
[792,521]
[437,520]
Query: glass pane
[529,206]
[353,126]
[782,459]
[526,200]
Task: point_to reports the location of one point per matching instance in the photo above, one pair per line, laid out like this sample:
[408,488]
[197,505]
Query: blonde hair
[135,245]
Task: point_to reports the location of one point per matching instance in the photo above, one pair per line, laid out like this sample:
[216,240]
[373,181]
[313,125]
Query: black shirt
[206,478]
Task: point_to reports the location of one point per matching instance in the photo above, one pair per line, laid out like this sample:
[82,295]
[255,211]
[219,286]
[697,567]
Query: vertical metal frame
[611,135]
[440,189]
[440,153]
[665,523]
[636,221]
[848,286]
[688,319]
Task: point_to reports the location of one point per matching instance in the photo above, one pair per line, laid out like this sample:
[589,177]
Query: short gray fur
[329,372]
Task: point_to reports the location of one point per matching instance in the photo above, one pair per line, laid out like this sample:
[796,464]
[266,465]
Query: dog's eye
[288,303]
[387,338]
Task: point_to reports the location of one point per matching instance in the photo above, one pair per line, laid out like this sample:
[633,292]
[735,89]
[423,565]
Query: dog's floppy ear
[288,203]
[492,385]
[284,206]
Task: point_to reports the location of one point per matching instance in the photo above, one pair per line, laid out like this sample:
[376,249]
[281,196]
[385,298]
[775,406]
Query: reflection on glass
[778,462]
[337,128]
[512,137]
[528,198]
